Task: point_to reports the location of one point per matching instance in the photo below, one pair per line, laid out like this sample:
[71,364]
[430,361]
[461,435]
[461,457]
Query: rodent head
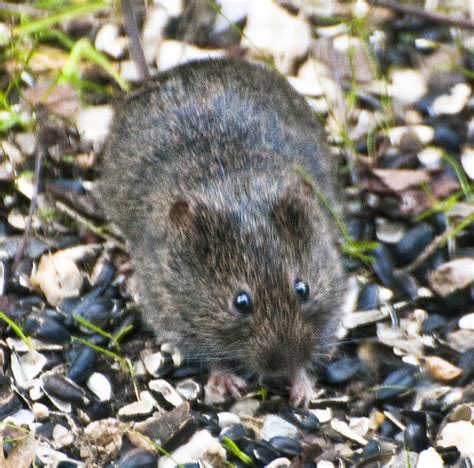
[254,279]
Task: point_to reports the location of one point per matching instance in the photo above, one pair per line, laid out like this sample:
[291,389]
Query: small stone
[274,426]
[26,141]
[62,436]
[467,321]
[441,370]
[172,53]
[430,458]
[389,232]
[137,410]
[431,157]
[271,29]
[40,411]
[467,161]
[201,447]
[226,418]
[460,434]
[100,386]
[408,86]
[109,41]
[451,276]
[452,103]
[93,124]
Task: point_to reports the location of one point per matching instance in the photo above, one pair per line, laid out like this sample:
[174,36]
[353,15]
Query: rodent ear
[292,212]
[180,213]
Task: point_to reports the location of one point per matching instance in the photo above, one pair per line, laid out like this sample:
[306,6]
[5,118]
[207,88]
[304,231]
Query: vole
[236,260]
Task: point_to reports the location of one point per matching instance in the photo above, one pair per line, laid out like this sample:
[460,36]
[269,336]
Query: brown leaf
[397,180]
[60,99]
[22,453]
[441,370]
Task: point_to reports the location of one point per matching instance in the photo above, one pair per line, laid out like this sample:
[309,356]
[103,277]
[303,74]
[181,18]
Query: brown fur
[198,173]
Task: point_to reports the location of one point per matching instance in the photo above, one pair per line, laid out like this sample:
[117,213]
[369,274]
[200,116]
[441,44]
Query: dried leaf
[60,99]
[22,453]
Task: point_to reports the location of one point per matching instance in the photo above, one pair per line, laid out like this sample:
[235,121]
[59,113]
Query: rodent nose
[284,357]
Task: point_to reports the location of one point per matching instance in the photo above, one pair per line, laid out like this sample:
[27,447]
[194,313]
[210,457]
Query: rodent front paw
[223,383]
[301,390]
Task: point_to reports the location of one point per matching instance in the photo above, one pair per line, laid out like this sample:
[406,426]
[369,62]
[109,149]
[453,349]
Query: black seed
[301,418]
[342,370]
[137,457]
[413,242]
[397,384]
[286,446]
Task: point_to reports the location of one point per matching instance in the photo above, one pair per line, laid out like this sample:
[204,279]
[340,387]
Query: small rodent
[236,260]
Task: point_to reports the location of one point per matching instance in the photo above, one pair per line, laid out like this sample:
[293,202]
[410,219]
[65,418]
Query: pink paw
[223,382]
[301,390]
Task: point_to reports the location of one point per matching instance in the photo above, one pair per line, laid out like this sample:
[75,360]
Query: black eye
[243,303]
[302,289]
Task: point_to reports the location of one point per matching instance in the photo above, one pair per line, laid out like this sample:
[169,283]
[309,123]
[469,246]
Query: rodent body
[236,260]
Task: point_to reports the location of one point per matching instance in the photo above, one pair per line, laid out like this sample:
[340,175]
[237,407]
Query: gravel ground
[83,383]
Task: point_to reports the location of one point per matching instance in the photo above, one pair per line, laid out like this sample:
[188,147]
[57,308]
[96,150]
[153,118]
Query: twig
[430,249]
[20,9]
[40,154]
[427,15]
[81,220]
[136,50]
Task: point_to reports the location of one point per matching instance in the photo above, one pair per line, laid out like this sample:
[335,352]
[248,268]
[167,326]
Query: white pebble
[467,322]
[275,426]
[100,386]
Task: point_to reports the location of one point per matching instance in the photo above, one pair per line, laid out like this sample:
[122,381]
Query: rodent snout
[283,356]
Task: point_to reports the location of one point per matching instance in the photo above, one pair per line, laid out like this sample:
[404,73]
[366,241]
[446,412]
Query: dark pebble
[261,451]
[466,363]
[447,138]
[415,436]
[397,384]
[301,418]
[64,389]
[46,329]
[413,242]
[433,323]
[405,286]
[83,365]
[138,458]
[342,371]
[286,446]
[368,297]
[235,432]
[383,265]
[450,455]
[9,402]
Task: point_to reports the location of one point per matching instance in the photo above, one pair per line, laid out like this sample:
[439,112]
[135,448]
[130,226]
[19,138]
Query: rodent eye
[243,303]
[302,289]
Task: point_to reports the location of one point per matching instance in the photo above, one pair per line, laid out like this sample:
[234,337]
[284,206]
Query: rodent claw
[301,390]
[227,383]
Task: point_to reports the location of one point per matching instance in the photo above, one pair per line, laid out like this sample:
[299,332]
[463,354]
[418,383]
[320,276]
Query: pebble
[451,276]
[467,161]
[407,85]
[274,426]
[467,321]
[453,102]
[413,242]
[100,386]
[430,458]
[431,157]
[40,411]
[93,124]
[460,434]
[389,232]
[109,41]
[226,418]
[26,141]
[136,411]
[202,446]
[165,392]
[271,29]
[172,53]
